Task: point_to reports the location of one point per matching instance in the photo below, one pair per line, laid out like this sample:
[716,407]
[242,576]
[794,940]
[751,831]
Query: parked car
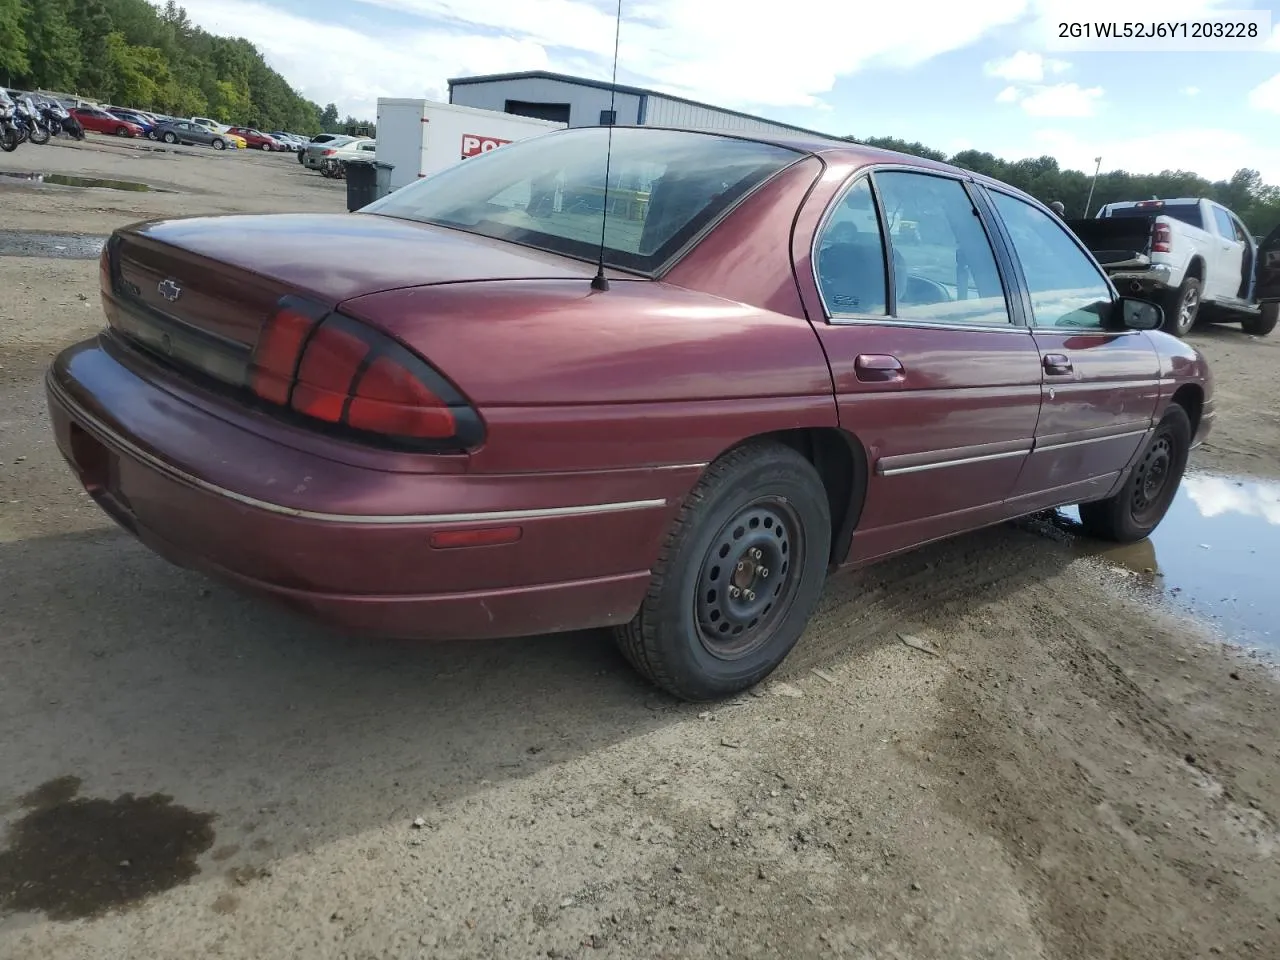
[256,139]
[339,148]
[133,116]
[210,124]
[100,121]
[1185,254]
[316,140]
[490,422]
[184,131]
[289,140]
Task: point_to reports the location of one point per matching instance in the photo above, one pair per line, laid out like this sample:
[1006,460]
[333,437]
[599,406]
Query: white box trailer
[421,136]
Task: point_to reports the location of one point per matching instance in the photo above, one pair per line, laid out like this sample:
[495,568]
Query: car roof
[836,149]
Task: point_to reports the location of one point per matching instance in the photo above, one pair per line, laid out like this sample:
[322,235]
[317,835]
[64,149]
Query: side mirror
[1133,314]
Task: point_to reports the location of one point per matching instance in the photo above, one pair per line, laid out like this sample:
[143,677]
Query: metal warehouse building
[585,103]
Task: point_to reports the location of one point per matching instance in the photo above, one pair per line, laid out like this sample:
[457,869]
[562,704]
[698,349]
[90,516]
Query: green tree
[53,45]
[13,39]
[94,24]
[329,121]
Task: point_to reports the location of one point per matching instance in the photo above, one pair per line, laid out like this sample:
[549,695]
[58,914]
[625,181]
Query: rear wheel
[1137,509]
[1181,307]
[1261,324]
[737,578]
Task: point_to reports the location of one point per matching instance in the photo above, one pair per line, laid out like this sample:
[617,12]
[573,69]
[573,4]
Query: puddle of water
[64,180]
[60,246]
[73,857]
[1217,552]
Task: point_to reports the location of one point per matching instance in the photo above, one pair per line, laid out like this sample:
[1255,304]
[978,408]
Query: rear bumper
[206,493]
[1146,278]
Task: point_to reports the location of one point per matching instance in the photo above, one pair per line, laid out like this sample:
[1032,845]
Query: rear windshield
[548,192]
[1188,213]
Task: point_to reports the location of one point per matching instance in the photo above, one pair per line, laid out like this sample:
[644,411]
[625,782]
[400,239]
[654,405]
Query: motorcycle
[27,125]
[333,169]
[57,120]
[9,136]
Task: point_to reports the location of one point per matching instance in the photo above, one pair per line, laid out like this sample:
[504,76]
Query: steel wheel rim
[1152,479]
[748,579]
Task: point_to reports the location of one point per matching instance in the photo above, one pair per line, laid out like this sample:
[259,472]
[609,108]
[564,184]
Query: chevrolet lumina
[505,400]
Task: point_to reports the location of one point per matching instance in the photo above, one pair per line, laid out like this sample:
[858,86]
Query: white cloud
[1024,67]
[708,50]
[1266,95]
[1009,95]
[1191,91]
[1062,100]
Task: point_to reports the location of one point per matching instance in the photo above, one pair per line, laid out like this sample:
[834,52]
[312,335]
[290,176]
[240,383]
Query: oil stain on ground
[73,857]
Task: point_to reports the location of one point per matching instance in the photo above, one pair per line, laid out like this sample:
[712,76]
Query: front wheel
[1261,324]
[737,578]
[1182,307]
[266,146]
[39,135]
[122,131]
[8,140]
[170,137]
[219,145]
[1138,507]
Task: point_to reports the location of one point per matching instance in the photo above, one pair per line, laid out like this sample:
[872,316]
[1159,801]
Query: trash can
[367,181]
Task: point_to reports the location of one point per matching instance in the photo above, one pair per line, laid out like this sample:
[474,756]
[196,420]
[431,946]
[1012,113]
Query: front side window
[944,270]
[548,191]
[850,256]
[1066,289]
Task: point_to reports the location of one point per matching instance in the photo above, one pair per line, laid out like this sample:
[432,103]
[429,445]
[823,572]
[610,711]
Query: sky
[989,76]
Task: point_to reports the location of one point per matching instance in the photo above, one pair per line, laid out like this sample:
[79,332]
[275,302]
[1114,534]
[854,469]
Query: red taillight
[337,370]
[327,153]
[1161,238]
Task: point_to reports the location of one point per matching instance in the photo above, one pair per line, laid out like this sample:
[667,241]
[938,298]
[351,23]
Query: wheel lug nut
[734,592]
[755,553]
[751,595]
[742,565]
[763,571]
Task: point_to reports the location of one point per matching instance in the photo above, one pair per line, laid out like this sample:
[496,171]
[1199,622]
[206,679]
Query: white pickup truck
[1187,254]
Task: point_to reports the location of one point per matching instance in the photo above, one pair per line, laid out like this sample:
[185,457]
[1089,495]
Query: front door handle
[878,368]
[1057,364]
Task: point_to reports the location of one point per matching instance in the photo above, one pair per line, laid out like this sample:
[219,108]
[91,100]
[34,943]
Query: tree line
[136,54]
[1255,202]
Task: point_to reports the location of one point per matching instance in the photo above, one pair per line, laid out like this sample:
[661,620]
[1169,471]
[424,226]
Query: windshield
[548,191]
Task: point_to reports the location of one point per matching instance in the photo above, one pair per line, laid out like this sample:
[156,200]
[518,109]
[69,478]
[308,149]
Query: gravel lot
[1053,764]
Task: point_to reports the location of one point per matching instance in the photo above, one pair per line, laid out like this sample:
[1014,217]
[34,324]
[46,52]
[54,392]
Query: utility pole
[1097,165]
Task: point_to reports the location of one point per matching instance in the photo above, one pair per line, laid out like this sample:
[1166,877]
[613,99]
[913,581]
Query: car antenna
[600,281]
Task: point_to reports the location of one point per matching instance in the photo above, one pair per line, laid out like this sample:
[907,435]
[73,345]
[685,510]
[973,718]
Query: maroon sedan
[99,121]
[459,414]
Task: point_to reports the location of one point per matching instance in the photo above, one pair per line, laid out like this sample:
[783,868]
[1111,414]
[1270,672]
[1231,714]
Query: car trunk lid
[197,292]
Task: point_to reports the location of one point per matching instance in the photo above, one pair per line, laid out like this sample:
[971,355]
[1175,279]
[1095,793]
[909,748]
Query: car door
[1266,272]
[1101,386]
[931,368]
[1231,251]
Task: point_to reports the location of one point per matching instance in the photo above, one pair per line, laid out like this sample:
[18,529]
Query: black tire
[219,144]
[39,136]
[1137,509]
[170,137]
[9,140]
[693,638]
[1182,307]
[122,131]
[301,156]
[266,146]
[1261,324]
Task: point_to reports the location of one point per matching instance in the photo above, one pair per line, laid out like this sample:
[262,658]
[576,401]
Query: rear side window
[1226,228]
[1066,288]
[850,256]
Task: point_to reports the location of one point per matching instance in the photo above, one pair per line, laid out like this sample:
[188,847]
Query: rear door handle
[878,368]
[1057,364]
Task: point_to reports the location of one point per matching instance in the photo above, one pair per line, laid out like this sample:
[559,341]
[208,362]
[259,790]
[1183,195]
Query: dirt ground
[1049,766]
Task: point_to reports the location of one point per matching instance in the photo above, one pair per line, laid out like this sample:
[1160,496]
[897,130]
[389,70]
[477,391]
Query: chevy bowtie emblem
[171,290]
